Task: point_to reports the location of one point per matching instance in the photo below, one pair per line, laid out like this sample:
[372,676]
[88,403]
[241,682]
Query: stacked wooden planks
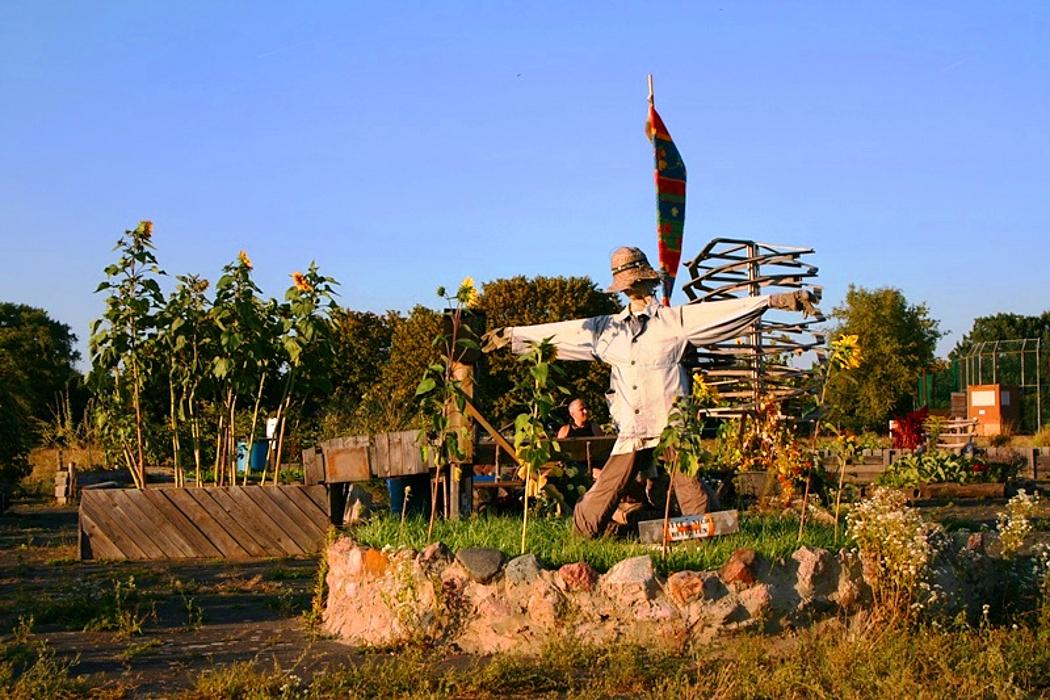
[233,522]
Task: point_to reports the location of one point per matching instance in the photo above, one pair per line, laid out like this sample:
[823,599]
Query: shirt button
[635,386]
[632,362]
[636,411]
[634,340]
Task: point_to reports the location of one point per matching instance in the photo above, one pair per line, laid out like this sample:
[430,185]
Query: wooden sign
[690,527]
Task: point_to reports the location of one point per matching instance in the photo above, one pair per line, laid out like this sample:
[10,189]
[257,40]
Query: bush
[1042,438]
[939,467]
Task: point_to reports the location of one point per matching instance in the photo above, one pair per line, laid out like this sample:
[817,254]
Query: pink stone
[741,567]
[685,586]
[579,576]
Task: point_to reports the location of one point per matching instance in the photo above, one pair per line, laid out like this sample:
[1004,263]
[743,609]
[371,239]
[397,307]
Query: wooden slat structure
[225,522]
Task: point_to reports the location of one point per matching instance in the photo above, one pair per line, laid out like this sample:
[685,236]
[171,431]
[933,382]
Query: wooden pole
[651,102]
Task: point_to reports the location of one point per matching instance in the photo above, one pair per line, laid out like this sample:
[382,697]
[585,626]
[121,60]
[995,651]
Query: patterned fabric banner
[670,199]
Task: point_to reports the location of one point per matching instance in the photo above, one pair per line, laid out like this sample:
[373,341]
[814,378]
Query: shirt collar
[650,310]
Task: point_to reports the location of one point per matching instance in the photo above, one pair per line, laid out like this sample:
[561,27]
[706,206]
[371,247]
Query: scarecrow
[644,345]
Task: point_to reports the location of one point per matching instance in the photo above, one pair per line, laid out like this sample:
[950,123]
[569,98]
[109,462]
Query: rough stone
[684,587]
[434,558]
[815,571]
[758,600]
[579,576]
[725,611]
[632,581]
[377,598]
[521,570]
[742,568]
[482,564]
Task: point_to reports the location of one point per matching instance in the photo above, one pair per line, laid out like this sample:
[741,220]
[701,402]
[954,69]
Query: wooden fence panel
[234,522]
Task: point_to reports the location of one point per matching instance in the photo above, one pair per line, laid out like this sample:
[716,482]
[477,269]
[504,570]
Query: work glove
[495,339]
[804,300]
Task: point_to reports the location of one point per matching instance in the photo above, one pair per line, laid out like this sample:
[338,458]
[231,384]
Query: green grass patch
[554,543]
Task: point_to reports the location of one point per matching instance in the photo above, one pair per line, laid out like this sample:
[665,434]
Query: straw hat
[629,265]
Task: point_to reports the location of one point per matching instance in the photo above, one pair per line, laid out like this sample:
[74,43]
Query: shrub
[1042,438]
[937,467]
[910,431]
[1014,524]
[895,547]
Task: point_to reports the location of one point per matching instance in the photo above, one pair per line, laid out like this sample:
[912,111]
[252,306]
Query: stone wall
[485,604]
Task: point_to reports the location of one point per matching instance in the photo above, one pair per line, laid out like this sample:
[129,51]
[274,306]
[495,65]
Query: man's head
[578,412]
[632,273]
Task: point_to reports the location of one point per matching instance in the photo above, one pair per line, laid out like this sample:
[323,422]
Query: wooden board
[235,522]
[690,527]
[347,463]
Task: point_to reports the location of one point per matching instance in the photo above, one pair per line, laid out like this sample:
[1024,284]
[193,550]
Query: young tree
[899,340]
[121,344]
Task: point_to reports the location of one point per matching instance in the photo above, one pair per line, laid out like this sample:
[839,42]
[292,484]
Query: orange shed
[996,407]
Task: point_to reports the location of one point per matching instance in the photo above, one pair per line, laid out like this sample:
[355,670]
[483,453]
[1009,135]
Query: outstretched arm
[574,340]
[716,321]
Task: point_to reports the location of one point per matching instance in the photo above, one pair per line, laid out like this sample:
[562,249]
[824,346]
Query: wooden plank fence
[225,522]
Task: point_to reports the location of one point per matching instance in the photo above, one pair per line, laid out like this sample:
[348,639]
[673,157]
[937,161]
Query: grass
[554,544]
[865,662]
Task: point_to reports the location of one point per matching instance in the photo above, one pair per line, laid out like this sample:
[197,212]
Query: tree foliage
[37,358]
[519,301]
[1003,326]
[899,339]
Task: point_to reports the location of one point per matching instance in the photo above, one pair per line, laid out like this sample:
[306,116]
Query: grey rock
[482,564]
[522,570]
[632,580]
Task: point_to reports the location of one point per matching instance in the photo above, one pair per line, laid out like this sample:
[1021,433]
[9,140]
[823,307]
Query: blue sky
[405,145]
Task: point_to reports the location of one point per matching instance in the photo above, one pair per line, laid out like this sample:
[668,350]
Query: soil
[193,615]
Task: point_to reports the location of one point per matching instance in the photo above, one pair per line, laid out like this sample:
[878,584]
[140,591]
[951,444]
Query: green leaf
[426,386]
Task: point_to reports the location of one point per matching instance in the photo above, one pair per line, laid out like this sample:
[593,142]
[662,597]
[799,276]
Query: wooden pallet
[232,522]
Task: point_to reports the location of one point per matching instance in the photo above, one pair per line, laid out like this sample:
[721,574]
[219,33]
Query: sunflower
[846,353]
[301,283]
[467,293]
[146,228]
[245,260]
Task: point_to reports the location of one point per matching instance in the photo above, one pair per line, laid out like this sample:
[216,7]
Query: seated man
[644,345]
[579,424]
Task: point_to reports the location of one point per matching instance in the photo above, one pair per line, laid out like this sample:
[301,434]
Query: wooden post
[464,374]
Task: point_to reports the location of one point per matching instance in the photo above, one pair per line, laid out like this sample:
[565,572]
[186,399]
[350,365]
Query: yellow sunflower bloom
[301,283]
[467,293]
[846,352]
[245,260]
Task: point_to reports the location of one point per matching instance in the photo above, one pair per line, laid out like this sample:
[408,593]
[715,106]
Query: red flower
[978,467]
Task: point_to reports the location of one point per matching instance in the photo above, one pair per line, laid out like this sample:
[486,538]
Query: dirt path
[154,626]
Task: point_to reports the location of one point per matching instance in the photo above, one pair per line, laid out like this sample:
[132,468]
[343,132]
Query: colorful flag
[670,199]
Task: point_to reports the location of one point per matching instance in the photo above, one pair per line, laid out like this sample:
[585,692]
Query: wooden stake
[651,102]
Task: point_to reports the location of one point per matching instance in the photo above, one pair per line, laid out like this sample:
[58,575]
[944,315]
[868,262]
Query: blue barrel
[258,458]
[242,456]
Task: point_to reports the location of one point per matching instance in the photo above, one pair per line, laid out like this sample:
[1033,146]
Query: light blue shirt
[645,353]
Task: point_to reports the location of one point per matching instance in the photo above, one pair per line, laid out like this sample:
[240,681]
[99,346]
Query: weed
[194,612]
[125,612]
[29,669]
[315,614]
[137,649]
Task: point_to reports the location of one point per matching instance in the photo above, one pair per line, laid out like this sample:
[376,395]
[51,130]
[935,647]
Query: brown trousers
[595,510]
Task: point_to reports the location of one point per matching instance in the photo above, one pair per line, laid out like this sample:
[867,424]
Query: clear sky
[403,145]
